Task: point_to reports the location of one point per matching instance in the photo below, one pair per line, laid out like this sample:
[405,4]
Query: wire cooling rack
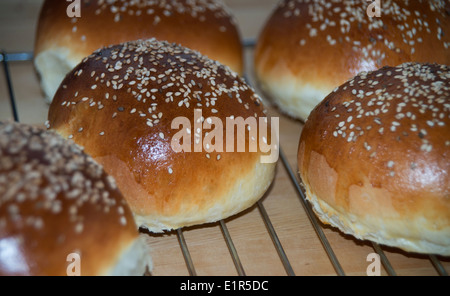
[7,58]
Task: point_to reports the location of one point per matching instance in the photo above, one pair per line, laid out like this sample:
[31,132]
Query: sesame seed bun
[119,104]
[55,201]
[62,42]
[307,48]
[374,157]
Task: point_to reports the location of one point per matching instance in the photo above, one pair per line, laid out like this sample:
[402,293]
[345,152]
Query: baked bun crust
[54,201]
[374,157]
[307,48]
[62,42]
[119,104]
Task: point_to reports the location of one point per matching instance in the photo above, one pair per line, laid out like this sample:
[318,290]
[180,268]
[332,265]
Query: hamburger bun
[62,41]
[56,204]
[374,157]
[307,48]
[120,104]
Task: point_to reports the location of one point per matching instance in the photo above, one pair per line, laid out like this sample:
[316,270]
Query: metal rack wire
[6,58]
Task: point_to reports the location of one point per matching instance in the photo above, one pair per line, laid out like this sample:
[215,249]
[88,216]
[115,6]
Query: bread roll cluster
[373,92]
[121,92]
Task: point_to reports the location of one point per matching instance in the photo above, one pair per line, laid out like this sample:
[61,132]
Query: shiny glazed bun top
[55,201]
[309,47]
[374,157]
[62,41]
[120,103]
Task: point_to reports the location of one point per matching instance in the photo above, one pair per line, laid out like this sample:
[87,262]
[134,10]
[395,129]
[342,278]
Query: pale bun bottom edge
[293,97]
[52,67]
[244,194]
[378,231]
[135,260]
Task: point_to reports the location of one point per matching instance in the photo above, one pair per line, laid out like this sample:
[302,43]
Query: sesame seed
[79,228]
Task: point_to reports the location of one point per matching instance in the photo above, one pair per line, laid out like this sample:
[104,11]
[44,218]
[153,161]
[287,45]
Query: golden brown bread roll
[56,201]
[62,41]
[374,157]
[120,104]
[307,48]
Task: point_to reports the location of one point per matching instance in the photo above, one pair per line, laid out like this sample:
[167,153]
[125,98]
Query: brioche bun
[55,201]
[62,41]
[374,157]
[307,48]
[120,104]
